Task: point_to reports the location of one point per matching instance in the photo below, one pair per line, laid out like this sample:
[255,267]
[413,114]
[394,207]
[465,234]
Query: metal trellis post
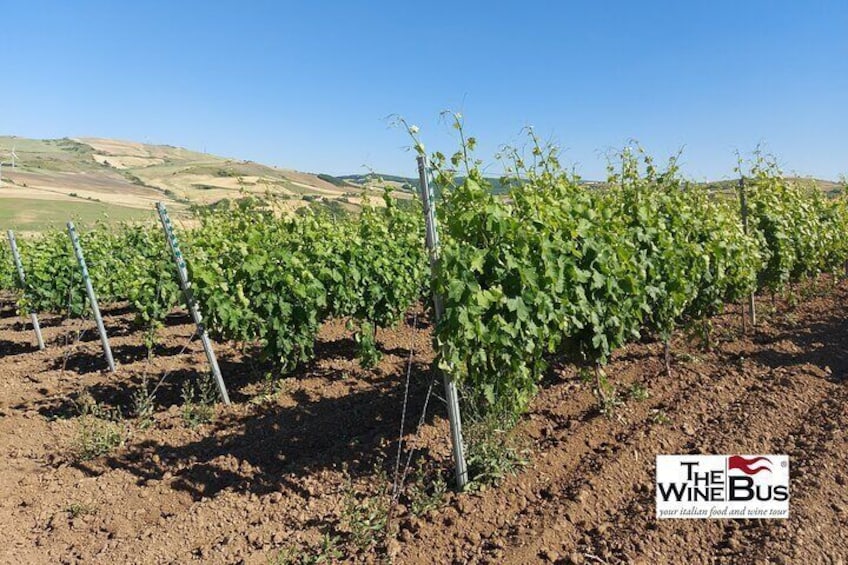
[191,303]
[20,267]
[744,203]
[92,298]
[450,386]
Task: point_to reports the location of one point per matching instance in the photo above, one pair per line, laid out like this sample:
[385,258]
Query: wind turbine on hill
[14,159]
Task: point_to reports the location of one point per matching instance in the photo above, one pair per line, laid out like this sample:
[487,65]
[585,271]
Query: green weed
[198,401]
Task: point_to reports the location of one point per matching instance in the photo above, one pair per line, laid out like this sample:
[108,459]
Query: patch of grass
[638,392]
[199,401]
[143,404]
[684,357]
[366,516]
[272,388]
[96,437]
[327,552]
[658,416]
[77,509]
[609,401]
[494,450]
[32,214]
[426,493]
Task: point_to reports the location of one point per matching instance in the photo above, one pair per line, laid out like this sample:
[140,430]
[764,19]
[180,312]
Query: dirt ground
[295,467]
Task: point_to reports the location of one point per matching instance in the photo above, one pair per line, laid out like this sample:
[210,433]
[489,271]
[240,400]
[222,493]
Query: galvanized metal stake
[20,267]
[191,303]
[92,298]
[744,202]
[452,397]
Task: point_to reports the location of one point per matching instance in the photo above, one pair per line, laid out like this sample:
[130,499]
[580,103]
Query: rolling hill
[84,178]
[91,178]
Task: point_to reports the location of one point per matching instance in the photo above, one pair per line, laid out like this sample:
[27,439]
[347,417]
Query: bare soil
[289,463]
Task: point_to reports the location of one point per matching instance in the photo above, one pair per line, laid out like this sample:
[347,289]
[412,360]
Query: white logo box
[722,486]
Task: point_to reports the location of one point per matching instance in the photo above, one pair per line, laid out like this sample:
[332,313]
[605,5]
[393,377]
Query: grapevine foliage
[274,280]
[8,276]
[125,263]
[554,267]
[557,267]
[261,277]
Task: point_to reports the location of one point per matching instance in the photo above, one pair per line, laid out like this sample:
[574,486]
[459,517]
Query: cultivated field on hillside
[89,177]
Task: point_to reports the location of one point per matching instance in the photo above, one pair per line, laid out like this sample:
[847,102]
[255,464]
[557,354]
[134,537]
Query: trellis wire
[400,480]
[79,332]
[152,394]
[396,486]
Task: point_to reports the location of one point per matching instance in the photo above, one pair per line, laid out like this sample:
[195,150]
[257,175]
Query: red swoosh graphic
[746,465]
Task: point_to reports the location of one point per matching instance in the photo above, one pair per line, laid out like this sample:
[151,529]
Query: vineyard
[262,280]
[545,290]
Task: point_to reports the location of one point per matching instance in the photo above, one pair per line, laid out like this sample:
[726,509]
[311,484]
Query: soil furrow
[615,481]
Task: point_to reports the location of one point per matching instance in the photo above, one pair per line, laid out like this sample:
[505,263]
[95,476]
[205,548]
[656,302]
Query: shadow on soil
[82,362]
[259,448]
[8,348]
[272,446]
[820,343]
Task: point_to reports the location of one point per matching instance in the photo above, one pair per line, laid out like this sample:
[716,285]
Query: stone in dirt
[575,558]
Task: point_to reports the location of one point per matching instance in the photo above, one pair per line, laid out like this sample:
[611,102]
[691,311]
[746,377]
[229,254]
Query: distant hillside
[406,184]
[828,187]
[85,178]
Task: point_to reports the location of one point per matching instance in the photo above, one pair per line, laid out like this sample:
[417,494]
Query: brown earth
[284,468]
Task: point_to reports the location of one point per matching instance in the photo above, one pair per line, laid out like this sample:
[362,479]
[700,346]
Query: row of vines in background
[7,270]
[261,277]
[126,263]
[274,280]
[557,268]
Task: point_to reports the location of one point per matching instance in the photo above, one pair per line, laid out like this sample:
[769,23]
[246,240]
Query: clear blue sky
[308,85]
